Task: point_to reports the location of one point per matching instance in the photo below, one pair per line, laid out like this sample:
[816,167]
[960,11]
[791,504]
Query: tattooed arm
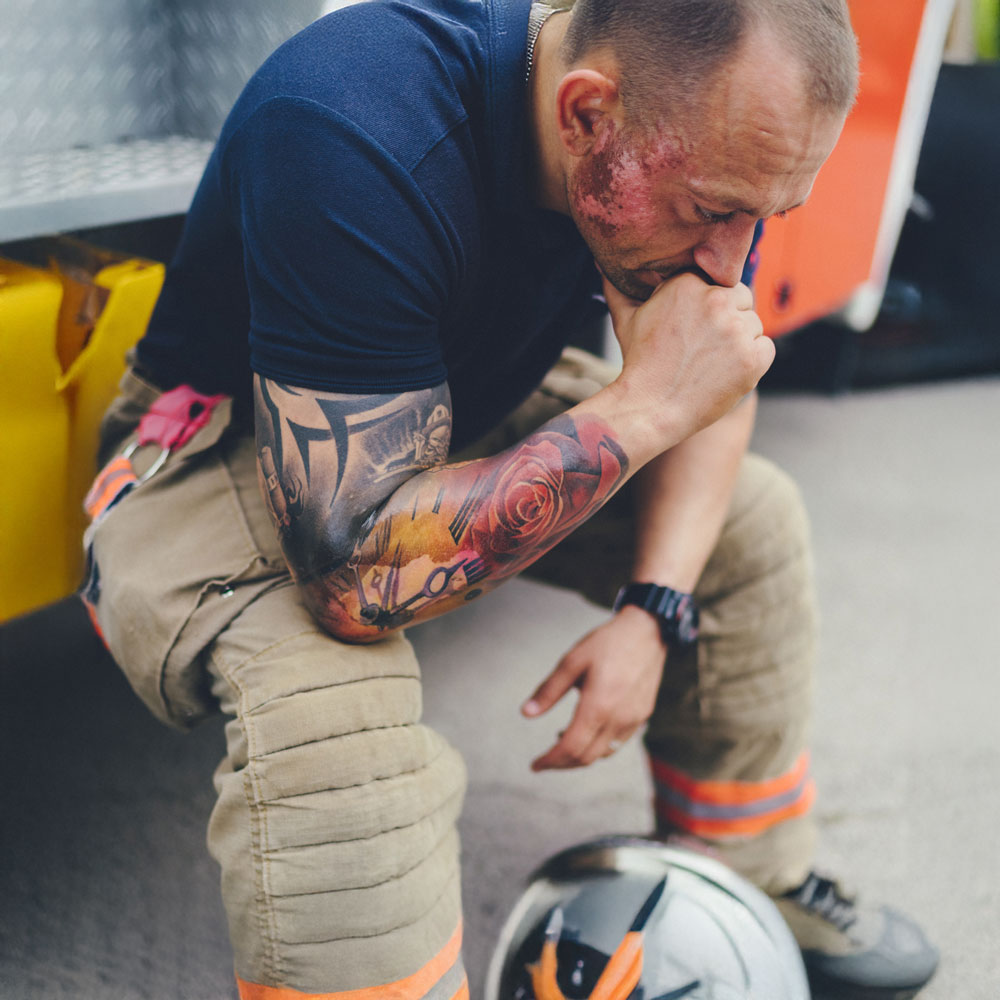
[379,532]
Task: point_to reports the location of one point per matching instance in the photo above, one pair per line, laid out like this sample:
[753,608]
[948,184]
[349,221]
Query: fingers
[618,674]
[748,329]
[765,353]
[743,298]
[564,678]
[580,748]
[589,736]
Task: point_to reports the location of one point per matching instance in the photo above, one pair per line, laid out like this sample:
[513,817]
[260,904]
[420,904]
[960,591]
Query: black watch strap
[676,611]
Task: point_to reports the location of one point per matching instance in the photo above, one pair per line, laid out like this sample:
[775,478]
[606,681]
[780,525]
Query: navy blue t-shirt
[365,222]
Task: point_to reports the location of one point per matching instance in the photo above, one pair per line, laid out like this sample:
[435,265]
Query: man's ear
[587,103]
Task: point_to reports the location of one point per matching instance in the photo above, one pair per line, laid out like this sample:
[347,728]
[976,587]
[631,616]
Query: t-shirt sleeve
[347,265]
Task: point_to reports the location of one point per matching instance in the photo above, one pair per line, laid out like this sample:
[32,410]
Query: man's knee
[335,825]
[753,666]
[765,543]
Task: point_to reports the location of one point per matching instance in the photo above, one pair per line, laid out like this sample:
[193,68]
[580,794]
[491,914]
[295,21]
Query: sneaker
[852,951]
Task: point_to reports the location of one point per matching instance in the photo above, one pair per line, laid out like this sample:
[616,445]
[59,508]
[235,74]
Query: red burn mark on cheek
[594,193]
[614,185]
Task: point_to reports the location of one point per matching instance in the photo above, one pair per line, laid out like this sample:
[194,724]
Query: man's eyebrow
[735,205]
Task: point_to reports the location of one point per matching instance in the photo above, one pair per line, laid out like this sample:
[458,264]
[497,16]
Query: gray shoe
[852,951]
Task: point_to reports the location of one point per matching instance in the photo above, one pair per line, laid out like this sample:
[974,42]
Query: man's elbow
[333,616]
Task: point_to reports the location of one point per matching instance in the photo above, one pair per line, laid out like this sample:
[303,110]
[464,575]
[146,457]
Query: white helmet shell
[696,931]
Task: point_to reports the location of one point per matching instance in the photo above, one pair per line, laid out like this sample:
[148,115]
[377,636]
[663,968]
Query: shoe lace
[825,897]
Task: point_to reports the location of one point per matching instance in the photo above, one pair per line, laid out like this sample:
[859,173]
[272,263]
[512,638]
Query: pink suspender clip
[171,422]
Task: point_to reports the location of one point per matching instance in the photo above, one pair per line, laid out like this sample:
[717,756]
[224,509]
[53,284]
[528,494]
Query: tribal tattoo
[380,532]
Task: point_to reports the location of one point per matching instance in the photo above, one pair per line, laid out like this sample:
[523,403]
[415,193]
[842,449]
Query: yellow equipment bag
[65,329]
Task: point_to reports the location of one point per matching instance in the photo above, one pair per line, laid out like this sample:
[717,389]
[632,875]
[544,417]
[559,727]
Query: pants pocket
[174,561]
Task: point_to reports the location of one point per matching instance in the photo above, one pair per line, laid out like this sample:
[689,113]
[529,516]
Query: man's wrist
[675,611]
[643,429]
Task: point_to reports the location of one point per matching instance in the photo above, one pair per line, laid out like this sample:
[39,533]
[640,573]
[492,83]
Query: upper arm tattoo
[327,460]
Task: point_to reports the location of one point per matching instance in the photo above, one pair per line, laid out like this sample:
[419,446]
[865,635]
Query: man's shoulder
[404,72]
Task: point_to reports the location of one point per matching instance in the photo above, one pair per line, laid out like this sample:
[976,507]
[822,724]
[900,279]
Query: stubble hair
[668,51]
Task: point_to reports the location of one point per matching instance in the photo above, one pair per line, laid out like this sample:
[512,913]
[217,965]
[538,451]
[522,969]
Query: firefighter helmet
[625,918]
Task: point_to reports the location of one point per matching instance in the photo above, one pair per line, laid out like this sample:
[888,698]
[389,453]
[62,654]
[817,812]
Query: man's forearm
[683,496]
[379,532]
[450,533]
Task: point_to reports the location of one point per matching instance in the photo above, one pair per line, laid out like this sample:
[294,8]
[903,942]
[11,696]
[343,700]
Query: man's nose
[722,254]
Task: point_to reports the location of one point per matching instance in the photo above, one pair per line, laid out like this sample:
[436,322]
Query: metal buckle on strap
[157,463]
[171,422]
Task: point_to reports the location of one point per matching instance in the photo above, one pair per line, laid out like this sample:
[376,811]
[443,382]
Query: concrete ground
[107,891]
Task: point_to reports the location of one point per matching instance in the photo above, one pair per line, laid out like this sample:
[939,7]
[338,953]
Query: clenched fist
[691,352]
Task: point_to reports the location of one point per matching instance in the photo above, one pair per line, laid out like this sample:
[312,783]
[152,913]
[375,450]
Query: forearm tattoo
[381,533]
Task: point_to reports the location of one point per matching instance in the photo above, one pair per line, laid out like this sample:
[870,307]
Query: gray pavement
[903,487]
[108,891]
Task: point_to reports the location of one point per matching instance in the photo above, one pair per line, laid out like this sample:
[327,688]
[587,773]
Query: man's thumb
[620,306]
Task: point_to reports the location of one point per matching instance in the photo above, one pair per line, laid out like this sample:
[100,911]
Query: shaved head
[669,51]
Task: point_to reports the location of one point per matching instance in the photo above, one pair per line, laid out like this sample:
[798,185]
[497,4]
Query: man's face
[682,198]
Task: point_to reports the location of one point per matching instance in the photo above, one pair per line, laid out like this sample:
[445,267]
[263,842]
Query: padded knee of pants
[335,824]
[727,739]
[764,541]
[752,668]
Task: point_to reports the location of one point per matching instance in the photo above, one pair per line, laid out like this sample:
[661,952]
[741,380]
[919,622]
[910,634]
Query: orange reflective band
[414,987]
[731,808]
[731,793]
[112,479]
[92,615]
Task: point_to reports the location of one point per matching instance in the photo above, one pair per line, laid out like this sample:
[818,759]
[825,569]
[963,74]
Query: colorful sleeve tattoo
[380,532]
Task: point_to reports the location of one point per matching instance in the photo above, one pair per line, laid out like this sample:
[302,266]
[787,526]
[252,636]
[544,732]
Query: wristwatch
[676,611]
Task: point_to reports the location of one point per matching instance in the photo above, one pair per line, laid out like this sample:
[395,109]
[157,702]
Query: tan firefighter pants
[335,820]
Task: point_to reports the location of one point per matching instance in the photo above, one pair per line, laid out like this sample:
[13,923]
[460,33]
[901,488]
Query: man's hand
[691,351]
[617,668]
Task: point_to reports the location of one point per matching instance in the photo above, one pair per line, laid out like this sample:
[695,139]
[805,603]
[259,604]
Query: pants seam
[359,784]
[337,684]
[266,918]
[398,927]
[222,661]
[335,736]
[371,885]
[240,511]
[456,794]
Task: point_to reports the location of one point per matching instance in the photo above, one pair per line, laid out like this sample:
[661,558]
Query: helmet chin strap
[622,973]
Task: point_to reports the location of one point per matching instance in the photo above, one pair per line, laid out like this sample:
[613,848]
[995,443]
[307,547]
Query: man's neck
[547,69]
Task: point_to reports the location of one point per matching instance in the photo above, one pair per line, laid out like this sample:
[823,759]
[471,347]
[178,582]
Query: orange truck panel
[840,243]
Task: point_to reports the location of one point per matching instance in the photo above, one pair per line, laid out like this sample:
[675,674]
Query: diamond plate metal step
[80,188]
[101,97]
